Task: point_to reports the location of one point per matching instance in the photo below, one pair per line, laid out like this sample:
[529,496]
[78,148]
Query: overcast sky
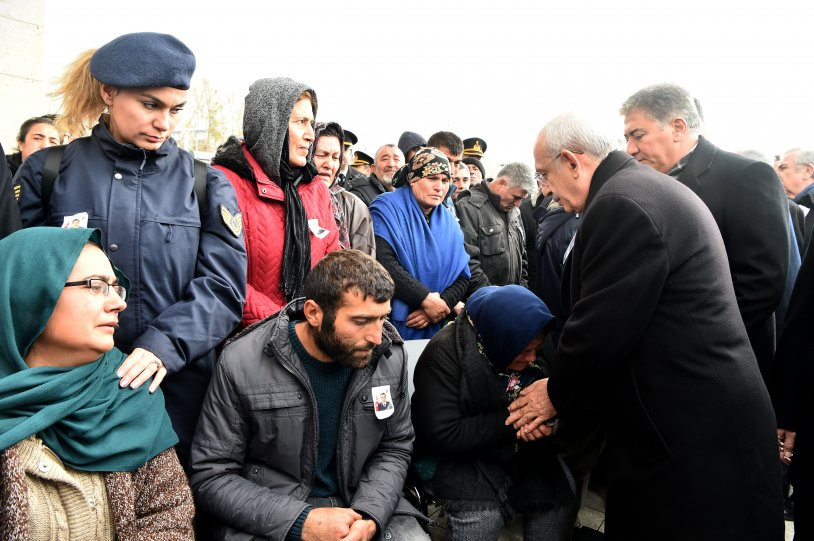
[493,69]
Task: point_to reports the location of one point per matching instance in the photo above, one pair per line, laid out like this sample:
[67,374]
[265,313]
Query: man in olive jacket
[653,337]
[288,445]
[494,238]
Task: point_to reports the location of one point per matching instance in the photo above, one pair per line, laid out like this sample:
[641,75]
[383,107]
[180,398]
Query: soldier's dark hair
[346,270]
[447,139]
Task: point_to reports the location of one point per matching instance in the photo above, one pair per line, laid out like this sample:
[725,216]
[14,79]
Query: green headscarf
[80,413]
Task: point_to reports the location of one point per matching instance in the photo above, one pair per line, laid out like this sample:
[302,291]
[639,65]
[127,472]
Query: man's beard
[340,350]
[387,178]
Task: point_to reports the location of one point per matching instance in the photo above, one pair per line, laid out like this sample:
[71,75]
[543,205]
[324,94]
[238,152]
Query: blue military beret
[144,60]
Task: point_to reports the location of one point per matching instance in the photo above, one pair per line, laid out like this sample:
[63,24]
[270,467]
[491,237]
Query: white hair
[571,132]
[518,174]
[805,157]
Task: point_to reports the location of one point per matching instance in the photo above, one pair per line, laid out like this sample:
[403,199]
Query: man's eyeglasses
[541,176]
[100,287]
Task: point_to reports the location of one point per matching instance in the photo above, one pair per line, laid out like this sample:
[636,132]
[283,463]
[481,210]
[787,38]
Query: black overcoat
[654,335]
[793,390]
[9,211]
[750,207]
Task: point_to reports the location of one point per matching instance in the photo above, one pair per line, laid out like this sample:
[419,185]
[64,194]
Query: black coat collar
[608,167]
[700,162]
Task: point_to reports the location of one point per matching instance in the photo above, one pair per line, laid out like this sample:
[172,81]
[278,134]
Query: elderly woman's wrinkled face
[430,191]
[528,355]
[326,157]
[300,132]
[143,117]
[81,327]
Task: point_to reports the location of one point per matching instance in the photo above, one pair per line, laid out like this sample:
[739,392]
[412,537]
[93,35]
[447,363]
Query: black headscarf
[297,244]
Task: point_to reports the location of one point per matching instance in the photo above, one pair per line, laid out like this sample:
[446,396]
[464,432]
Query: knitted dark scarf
[297,243]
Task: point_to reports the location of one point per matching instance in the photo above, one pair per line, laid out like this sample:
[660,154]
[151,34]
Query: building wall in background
[22,89]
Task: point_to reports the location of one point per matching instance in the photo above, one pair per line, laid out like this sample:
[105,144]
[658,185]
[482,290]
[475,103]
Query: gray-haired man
[662,126]
[493,231]
[796,170]
[652,339]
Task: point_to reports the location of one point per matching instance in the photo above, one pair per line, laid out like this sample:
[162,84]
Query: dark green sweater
[329,381]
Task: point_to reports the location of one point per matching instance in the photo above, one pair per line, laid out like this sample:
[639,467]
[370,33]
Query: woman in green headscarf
[82,458]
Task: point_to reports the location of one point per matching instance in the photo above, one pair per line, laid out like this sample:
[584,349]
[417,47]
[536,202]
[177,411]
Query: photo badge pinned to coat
[78,220]
[382,401]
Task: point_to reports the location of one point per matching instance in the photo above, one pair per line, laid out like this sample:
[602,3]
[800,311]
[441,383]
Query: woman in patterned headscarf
[421,246]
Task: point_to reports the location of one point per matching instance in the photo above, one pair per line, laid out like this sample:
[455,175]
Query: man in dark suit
[746,198]
[796,171]
[653,338]
[9,210]
[793,395]
[347,175]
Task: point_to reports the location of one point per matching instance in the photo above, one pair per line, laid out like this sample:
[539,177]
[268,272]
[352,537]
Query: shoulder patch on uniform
[18,190]
[234,222]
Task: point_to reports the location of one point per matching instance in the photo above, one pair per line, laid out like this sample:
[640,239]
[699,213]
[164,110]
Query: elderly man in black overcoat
[746,198]
[654,337]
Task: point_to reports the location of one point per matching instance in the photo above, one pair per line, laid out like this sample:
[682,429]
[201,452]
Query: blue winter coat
[188,280]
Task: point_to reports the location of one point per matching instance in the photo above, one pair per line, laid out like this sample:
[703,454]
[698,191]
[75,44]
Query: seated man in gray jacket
[289,444]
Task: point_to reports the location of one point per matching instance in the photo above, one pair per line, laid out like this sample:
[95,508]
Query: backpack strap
[200,186]
[50,172]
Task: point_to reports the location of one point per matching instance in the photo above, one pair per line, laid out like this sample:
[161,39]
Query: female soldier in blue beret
[182,248]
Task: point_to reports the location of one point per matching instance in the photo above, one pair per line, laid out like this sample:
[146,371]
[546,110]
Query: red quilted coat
[263,211]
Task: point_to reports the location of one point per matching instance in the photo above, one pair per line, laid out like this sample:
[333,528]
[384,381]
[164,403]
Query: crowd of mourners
[195,350]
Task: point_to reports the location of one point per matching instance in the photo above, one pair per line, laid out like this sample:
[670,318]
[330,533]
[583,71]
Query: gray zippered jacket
[254,451]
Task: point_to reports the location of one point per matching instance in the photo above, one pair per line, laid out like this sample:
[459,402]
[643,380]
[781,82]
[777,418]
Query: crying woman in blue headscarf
[474,464]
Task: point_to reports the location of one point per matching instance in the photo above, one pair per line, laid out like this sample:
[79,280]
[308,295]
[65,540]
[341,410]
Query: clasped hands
[532,413]
[337,524]
[432,310]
